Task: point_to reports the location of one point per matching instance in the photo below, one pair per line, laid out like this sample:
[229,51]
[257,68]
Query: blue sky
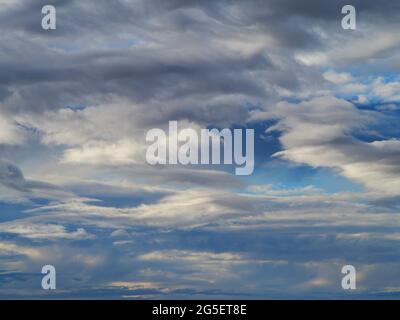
[77,193]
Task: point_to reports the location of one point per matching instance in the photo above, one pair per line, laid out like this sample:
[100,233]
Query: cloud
[387,91]
[271,190]
[121,153]
[16,188]
[26,229]
[320,133]
[76,104]
[10,133]
[8,248]
[11,175]
[337,78]
[190,208]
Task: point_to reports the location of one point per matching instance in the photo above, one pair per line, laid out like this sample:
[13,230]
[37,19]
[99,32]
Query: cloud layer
[76,192]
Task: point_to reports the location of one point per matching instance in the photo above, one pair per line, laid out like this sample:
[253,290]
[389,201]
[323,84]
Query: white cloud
[319,133]
[27,229]
[362,99]
[10,133]
[8,248]
[189,208]
[123,152]
[388,91]
[311,58]
[269,189]
[338,78]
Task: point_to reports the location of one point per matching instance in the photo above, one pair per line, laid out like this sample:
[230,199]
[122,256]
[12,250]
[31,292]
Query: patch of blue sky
[265,145]
[13,211]
[285,175]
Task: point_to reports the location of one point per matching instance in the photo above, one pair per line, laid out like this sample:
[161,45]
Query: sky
[76,191]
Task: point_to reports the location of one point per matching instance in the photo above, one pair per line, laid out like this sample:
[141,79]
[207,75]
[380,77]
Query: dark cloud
[191,53]
[160,51]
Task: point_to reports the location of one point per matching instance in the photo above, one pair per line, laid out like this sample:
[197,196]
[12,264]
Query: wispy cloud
[76,192]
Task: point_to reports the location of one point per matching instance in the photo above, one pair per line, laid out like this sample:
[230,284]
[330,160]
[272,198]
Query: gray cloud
[73,100]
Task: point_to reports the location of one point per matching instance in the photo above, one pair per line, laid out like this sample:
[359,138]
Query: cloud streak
[75,191]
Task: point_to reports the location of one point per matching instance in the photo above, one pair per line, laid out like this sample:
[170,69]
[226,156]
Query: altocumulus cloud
[75,191]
